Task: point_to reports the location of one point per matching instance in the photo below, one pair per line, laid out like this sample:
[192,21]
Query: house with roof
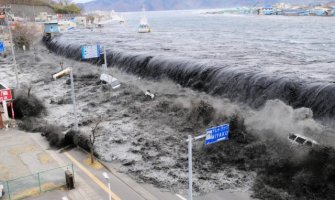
[267,10]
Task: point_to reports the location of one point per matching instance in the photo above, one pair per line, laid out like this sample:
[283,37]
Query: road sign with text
[217,134]
[6,95]
[90,51]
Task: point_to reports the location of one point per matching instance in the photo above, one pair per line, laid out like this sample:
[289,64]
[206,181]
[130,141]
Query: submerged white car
[301,140]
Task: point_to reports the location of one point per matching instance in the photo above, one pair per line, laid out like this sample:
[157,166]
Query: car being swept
[301,140]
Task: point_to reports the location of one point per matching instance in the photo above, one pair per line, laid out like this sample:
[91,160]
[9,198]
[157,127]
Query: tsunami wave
[249,87]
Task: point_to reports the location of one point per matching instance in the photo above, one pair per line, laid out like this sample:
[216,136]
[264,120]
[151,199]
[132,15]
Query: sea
[249,58]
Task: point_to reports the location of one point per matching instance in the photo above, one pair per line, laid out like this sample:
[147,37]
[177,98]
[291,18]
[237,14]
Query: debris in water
[148,93]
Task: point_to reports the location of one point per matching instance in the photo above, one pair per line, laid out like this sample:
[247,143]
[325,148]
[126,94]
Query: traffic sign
[217,134]
[6,95]
[2,47]
[90,51]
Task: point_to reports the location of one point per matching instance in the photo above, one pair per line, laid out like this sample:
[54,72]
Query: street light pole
[190,170]
[65,72]
[105,175]
[190,195]
[109,188]
[74,101]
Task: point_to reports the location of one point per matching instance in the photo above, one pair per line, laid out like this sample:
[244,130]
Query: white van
[301,140]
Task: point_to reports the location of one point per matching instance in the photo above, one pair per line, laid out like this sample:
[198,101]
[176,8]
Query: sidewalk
[122,185]
[23,154]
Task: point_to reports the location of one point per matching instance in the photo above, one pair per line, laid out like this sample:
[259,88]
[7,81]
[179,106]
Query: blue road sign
[2,47]
[90,51]
[217,134]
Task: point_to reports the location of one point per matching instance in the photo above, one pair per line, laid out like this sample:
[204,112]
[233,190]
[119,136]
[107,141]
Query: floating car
[301,140]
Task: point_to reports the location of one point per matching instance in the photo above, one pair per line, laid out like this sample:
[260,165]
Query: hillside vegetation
[58,8]
[26,2]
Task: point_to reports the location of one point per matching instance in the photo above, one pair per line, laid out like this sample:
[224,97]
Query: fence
[35,184]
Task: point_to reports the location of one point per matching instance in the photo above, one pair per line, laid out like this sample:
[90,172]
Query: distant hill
[25,2]
[136,5]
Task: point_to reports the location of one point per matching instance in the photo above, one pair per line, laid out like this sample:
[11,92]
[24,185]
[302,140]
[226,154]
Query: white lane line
[181,197]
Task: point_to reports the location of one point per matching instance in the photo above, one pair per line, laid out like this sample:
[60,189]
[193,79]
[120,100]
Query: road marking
[94,178]
[181,197]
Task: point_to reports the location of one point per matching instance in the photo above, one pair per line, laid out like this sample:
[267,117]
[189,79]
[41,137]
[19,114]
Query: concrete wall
[28,11]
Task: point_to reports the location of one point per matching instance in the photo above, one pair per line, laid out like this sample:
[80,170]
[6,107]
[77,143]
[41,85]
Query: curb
[133,185]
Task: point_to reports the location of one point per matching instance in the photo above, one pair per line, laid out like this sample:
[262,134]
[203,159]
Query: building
[45,17]
[81,21]
[267,10]
[51,27]
[319,11]
[28,12]
[295,12]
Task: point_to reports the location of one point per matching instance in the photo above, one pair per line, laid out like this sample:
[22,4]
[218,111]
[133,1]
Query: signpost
[217,134]
[90,51]
[213,135]
[6,95]
[94,51]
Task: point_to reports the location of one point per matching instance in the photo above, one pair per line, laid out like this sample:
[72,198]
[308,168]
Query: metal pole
[109,190]
[9,196]
[74,101]
[190,196]
[5,109]
[13,52]
[34,10]
[39,182]
[105,59]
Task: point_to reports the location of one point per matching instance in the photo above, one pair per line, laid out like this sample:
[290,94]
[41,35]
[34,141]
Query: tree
[65,2]
[90,19]
[66,7]
[93,136]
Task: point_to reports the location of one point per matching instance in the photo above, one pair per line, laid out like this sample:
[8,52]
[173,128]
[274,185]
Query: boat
[144,26]
[115,17]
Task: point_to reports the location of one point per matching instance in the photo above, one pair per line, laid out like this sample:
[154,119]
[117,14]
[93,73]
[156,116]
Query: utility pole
[7,9]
